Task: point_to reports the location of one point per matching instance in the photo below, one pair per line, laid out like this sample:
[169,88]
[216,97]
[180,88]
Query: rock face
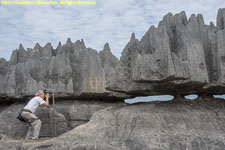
[194,125]
[68,115]
[181,56]
[178,57]
[73,70]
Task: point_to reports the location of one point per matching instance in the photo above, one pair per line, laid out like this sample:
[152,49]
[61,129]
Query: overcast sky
[111,21]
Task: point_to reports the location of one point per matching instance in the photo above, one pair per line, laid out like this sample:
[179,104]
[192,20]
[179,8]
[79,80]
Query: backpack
[19,117]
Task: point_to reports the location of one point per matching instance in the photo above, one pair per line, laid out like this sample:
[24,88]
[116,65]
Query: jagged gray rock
[221,19]
[181,56]
[178,57]
[73,70]
[109,61]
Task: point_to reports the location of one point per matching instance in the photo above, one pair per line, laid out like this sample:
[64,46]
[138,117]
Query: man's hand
[47,96]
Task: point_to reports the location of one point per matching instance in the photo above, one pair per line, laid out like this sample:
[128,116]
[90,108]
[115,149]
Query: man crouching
[28,114]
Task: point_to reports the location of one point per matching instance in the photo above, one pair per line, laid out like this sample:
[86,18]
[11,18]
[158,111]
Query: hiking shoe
[34,139]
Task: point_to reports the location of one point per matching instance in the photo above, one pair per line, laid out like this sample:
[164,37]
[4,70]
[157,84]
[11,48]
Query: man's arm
[46,102]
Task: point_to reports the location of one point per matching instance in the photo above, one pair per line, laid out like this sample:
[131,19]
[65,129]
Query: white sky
[111,21]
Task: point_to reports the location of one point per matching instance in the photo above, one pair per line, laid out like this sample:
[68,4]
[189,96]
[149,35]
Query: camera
[47,91]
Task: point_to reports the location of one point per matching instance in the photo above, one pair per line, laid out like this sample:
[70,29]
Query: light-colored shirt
[34,103]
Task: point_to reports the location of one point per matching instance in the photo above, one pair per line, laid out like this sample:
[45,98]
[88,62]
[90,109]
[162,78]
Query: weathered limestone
[221,19]
[181,56]
[178,57]
[73,70]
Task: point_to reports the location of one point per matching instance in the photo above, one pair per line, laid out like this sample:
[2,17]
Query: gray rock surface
[73,70]
[221,19]
[7,143]
[181,56]
[68,115]
[172,125]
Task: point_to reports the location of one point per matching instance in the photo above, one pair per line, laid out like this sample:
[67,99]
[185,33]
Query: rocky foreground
[172,125]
